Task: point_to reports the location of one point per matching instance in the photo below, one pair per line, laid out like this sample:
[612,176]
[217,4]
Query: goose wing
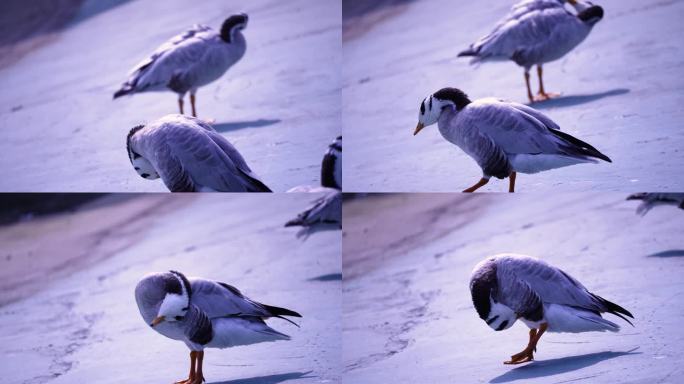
[523,36]
[218,299]
[168,63]
[188,157]
[327,209]
[513,127]
[551,284]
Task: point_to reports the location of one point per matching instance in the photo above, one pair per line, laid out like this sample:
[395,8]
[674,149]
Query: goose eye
[179,318]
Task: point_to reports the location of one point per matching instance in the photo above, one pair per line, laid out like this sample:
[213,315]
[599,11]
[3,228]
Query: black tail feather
[281,312]
[295,222]
[256,184]
[579,146]
[260,186]
[637,196]
[468,52]
[614,309]
[123,91]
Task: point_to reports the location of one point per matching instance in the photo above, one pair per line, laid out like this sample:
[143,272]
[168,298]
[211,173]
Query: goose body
[204,314]
[325,210]
[503,137]
[651,200]
[189,156]
[509,287]
[189,60]
[534,33]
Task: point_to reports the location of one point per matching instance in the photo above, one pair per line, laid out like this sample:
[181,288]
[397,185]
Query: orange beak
[418,128]
[157,321]
[572,2]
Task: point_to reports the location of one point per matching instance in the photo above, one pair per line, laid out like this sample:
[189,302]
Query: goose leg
[477,185]
[180,104]
[542,95]
[191,376]
[199,376]
[511,185]
[192,103]
[527,353]
[527,83]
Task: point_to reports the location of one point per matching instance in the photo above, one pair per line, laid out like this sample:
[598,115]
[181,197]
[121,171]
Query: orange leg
[527,353]
[191,376]
[180,104]
[511,185]
[199,376]
[542,95]
[192,103]
[527,83]
[480,183]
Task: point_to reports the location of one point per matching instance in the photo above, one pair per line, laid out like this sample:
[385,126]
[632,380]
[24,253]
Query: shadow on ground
[670,253]
[328,277]
[552,367]
[270,379]
[571,100]
[234,126]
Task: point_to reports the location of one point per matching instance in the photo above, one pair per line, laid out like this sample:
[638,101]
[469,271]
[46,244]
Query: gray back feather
[488,125]
[537,36]
[188,153]
[524,276]
[218,300]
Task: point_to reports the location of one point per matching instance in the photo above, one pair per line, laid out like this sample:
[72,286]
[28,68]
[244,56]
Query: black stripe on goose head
[594,13]
[185,281]
[454,95]
[132,154]
[482,288]
[172,285]
[235,21]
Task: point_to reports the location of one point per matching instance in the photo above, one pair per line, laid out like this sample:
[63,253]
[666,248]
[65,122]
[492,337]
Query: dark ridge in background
[29,24]
[359,16]
[17,206]
[354,8]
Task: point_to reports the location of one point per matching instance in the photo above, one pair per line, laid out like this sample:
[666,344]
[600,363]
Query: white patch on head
[175,305]
[144,168]
[499,314]
[430,110]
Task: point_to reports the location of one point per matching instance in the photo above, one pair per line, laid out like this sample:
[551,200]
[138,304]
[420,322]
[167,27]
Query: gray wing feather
[551,284]
[171,61]
[188,157]
[219,301]
[526,39]
[517,11]
[248,176]
[327,209]
[511,127]
[545,120]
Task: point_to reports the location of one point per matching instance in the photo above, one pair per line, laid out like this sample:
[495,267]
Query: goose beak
[157,321]
[572,2]
[418,128]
